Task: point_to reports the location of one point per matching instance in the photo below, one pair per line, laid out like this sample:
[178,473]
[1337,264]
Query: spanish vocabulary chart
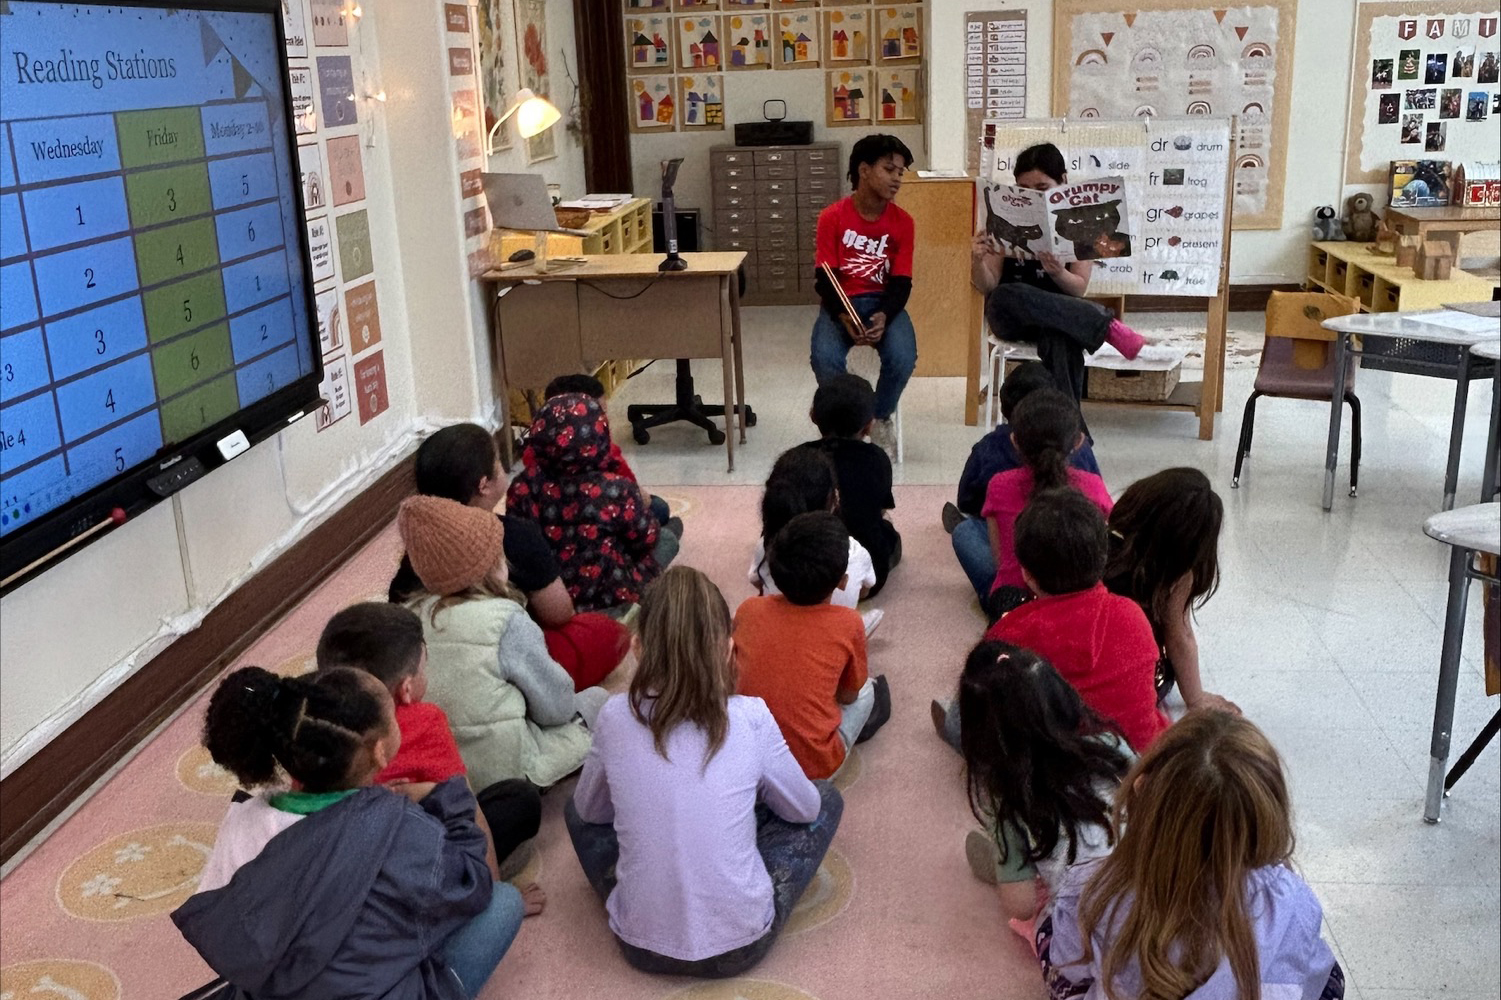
[151,269]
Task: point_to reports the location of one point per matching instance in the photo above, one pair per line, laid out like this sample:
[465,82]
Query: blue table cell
[250,230]
[97,337]
[242,179]
[32,492]
[88,274]
[235,128]
[260,379]
[105,397]
[72,213]
[253,281]
[23,364]
[12,231]
[17,295]
[7,169]
[52,149]
[260,330]
[117,449]
[28,430]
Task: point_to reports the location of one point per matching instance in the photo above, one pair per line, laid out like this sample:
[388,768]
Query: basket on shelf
[572,218]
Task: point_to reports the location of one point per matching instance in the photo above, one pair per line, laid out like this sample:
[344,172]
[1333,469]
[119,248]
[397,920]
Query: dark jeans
[791,852]
[513,808]
[659,508]
[829,352]
[1063,328]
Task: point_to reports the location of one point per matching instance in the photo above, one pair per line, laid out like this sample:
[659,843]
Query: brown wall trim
[45,785]
[1243,298]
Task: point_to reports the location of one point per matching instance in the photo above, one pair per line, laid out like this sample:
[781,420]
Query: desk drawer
[734,217]
[828,169]
[719,158]
[784,215]
[775,231]
[748,243]
[779,187]
[725,187]
[785,201]
[780,280]
[807,156]
[779,260]
[776,171]
[742,200]
[830,188]
[774,156]
[725,231]
[813,202]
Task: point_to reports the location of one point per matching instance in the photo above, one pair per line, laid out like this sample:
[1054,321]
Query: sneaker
[871,618]
[939,714]
[982,854]
[674,525]
[879,713]
[952,517]
[883,436]
[1124,339]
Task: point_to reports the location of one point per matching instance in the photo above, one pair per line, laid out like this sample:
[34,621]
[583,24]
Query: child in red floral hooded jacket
[598,521]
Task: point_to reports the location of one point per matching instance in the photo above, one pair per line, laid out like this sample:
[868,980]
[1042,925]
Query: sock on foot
[1124,339]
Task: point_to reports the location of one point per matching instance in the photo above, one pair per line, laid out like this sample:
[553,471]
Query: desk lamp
[534,115]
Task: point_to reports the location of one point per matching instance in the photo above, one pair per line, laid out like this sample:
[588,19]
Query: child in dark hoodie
[341,888]
[597,520]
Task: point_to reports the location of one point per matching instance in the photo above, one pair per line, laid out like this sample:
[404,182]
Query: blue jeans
[474,950]
[897,348]
[659,508]
[971,541]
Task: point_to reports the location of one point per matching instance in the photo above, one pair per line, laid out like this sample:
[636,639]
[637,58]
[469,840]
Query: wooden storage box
[1126,385]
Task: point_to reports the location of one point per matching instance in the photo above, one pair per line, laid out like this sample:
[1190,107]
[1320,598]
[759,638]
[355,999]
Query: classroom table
[1421,328]
[1446,223]
[618,306]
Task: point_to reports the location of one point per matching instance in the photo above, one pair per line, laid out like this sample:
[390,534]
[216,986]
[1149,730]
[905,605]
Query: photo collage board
[1425,86]
[682,54]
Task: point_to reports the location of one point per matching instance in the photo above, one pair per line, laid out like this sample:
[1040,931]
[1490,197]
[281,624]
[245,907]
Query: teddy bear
[1326,224]
[1360,221]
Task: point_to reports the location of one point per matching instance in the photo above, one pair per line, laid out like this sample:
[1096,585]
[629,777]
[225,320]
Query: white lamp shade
[534,114]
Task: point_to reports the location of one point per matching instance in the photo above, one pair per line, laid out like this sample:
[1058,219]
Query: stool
[1000,352]
[1467,531]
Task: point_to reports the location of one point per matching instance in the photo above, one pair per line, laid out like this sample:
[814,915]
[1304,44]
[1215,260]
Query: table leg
[1490,485]
[734,283]
[1448,679]
[727,364]
[1336,411]
[1457,430]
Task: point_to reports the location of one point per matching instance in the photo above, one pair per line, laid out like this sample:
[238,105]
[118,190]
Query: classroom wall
[72,635]
[1321,87]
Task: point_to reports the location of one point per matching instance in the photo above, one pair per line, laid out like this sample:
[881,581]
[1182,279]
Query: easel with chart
[1179,220]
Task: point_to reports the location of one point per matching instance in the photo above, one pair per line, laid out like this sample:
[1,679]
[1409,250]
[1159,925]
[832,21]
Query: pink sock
[1124,339]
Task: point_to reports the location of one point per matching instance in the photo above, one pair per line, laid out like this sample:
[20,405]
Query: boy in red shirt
[805,657]
[867,241]
[386,640]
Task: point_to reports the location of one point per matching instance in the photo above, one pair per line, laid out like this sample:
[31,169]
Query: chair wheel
[716,436]
[1352,492]
[750,419]
[1235,483]
[641,434]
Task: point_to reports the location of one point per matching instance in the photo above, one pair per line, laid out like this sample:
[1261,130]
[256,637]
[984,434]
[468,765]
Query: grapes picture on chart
[150,243]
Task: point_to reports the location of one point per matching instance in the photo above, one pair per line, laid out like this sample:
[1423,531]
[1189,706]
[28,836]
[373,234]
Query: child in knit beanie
[513,709]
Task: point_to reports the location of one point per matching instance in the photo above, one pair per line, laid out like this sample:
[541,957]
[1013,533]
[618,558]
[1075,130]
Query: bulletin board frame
[1064,13]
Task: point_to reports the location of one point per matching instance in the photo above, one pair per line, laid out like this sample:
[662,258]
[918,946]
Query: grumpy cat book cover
[1094,230]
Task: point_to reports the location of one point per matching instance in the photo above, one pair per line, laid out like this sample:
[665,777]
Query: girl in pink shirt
[1045,430]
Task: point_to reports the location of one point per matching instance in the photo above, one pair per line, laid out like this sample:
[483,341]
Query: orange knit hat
[452,546]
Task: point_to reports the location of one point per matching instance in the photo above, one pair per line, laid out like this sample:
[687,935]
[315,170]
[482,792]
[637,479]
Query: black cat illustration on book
[1093,230]
[1009,232]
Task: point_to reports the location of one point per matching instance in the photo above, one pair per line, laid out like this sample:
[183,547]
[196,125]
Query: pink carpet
[894,912]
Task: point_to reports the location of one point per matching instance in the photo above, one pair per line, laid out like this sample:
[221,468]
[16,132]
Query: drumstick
[844,299]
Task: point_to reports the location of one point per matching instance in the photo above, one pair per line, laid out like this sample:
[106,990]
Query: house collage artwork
[680,53]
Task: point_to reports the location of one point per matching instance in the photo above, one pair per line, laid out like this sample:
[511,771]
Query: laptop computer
[520,201]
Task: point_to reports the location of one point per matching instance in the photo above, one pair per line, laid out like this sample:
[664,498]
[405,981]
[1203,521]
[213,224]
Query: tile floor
[1325,629]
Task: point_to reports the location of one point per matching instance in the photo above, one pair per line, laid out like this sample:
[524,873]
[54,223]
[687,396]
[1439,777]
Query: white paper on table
[1452,319]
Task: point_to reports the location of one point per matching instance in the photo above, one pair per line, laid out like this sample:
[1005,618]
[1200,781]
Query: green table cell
[188,361]
[193,411]
[172,251]
[157,196]
[183,306]
[160,135]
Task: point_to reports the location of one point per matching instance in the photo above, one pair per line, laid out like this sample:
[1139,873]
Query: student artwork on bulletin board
[846,37]
[746,4]
[699,45]
[1427,84]
[749,39]
[531,48]
[492,68]
[701,102]
[896,96]
[797,40]
[650,43]
[694,6]
[653,104]
[898,35]
[647,4]
[848,98]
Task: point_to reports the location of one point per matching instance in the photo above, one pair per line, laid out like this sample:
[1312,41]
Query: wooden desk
[1447,224]
[617,306]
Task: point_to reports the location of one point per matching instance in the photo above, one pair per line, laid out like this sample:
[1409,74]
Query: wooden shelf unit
[1379,285]
[625,230]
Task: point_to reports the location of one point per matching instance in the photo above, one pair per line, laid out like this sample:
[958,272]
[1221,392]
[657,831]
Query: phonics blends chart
[151,268]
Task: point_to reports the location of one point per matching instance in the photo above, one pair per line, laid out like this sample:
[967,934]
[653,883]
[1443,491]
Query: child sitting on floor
[697,877]
[802,480]
[385,640]
[595,389]
[805,657]
[342,887]
[1199,899]
[460,462]
[993,454]
[843,408]
[1164,555]
[1047,433]
[598,521]
[513,709]
[1041,769]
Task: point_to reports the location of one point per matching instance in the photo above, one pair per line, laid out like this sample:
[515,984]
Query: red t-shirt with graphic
[864,253]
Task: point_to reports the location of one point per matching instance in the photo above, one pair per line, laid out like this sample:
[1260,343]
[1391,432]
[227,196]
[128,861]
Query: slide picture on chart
[152,257]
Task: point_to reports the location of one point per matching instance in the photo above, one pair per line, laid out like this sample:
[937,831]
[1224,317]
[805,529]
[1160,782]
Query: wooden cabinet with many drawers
[766,202]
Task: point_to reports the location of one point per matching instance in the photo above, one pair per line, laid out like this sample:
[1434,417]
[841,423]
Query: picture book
[1086,220]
